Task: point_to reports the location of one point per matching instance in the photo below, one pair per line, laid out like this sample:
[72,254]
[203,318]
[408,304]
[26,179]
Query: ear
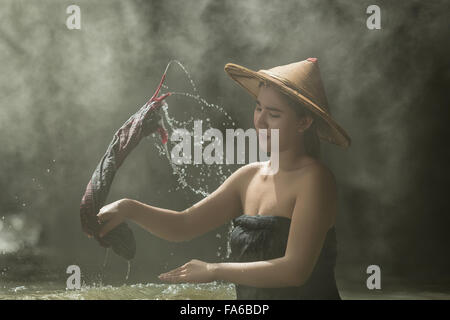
[304,123]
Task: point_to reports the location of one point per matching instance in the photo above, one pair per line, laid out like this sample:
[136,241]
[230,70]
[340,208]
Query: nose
[261,120]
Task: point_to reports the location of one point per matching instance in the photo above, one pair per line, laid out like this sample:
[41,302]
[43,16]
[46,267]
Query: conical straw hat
[302,82]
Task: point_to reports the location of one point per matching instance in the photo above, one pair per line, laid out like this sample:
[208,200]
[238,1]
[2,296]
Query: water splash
[128,270]
[105,261]
[185,72]
[230,229]
[203,103]
[106,258]
[185,177]
[140,291]
[181,174]
[197,184]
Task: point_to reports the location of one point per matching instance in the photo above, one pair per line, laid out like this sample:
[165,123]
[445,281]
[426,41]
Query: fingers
[101,217]
[179,276]
[104,215]
[176,270]
[173,272]
[111,224]
[177,279]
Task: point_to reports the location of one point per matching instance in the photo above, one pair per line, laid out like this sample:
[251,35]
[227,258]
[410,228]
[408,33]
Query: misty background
[65,92]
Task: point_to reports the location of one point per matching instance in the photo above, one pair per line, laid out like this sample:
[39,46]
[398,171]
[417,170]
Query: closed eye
[273,109]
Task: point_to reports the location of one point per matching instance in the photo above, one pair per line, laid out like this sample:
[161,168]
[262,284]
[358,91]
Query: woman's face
[273,111]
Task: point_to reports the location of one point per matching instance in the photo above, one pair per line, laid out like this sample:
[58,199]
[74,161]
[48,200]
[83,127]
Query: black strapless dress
[256,238]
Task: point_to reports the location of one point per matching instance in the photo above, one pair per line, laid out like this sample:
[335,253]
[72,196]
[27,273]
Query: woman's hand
[195,271]
[111,215]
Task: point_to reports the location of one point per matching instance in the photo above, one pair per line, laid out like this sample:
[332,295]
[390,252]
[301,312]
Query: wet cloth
[141,124]
[256,238]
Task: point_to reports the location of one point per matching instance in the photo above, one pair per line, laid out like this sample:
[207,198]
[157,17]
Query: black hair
[310,137]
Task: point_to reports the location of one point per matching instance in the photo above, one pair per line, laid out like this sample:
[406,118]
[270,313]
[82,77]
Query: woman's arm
[211,212]
[166,224]
[221,206]
[275,273]
[314,213]
[265,274]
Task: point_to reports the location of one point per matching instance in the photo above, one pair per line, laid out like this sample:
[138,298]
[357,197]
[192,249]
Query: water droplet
[105,260]
[48,170]
[128,271]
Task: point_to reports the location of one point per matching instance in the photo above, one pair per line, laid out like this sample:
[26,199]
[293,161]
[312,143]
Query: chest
[269,196]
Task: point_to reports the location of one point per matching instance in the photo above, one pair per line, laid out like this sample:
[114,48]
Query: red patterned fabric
[143,123]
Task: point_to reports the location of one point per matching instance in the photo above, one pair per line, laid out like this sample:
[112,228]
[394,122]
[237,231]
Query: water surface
[203,291]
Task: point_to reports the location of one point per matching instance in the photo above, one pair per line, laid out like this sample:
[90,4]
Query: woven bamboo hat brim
[302,82]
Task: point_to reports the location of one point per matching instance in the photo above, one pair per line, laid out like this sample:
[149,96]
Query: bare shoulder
[316,189]
[316,174]
[248,171]
[240,178]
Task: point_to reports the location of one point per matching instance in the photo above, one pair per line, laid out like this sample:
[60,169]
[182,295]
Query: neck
[292,158]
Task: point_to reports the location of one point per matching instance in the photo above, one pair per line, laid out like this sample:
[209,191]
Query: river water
[203,291]
[152,291]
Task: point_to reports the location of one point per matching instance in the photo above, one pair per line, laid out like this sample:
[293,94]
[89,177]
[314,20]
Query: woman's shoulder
[308,172]
[314,170]
[245,171]
[250,168]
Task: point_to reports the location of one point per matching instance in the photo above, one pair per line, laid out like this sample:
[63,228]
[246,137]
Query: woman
[284,243]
